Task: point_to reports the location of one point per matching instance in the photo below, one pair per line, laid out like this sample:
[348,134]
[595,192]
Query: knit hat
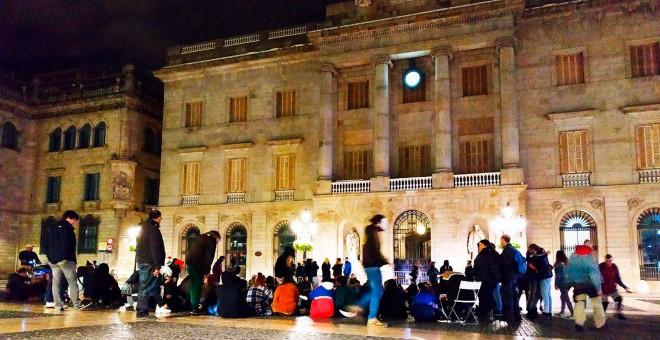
[583,250]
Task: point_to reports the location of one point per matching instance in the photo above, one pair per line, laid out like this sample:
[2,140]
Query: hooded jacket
[282,269]
[323,305]
[150,246]
[202,253]
[61,244]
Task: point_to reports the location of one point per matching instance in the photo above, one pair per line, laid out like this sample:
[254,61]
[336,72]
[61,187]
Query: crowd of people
[297,289]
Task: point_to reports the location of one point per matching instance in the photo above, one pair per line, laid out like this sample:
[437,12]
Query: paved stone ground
[6,314]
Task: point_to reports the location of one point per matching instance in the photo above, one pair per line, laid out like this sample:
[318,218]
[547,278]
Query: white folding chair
[466,286]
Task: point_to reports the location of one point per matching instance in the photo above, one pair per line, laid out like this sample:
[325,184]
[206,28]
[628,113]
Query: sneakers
[50,304]
[347,313]
[84,305]
[162,310]
[375,323]
[61,309]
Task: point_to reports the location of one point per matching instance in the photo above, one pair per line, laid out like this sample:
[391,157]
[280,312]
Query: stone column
[442,173]
[511,173]
[326,120]
[382,64]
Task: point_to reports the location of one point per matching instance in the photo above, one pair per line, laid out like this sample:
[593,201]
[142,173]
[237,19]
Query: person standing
[432,272]
[336,269]
[199,262]
[583,275]
[325,269]
[283,263]
[561,260]
[487,271]
[150,257]
[28,257]
[348,267]
[61,253]
[611,278]
[414,273]
[372,260]
[541,265]
[510,262]
[469,271]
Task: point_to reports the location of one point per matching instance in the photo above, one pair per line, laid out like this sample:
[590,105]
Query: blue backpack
[521,265]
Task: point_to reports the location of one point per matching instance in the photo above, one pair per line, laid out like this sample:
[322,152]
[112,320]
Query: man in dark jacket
[611,277]
[61,253]
[509,276]
[150,257]
[199,262]
[283,263]
[28,257]
[487,271]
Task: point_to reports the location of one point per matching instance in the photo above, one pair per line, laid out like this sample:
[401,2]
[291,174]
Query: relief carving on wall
[223,217]
[633,203]
[556,205]
[121,189]
[363,3]
[247,217]
[201,219]
[596,204]
[270,215]
[178,219]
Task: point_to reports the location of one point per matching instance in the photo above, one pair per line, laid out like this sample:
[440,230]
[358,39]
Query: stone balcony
[235,197]
[649,176]
[576,180]
[284,195]
[190,200]
[418,183]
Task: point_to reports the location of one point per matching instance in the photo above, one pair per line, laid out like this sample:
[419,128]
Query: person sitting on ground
[446,267]
[171,299]
[393,302]
[18,285]
[322,297]
[218,269]
[259,297]
[354,282]
[411,291]
[231,301]
[425,305]
[285,299]
[270,283]
[345,295]
[103,286]
[28,257]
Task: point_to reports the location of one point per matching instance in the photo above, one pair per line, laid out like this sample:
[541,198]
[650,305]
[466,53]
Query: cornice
[620,6]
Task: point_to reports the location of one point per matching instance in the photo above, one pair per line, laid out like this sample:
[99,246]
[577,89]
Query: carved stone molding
[178,219]
[633,203]
[442,50]
[328,67]
[381,59]
[247,217]
[201,218]
[596,204]
[223,218]
[556,205]
[270,215]
[505,42]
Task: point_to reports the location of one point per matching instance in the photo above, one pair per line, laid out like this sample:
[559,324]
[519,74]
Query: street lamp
[305,229]
[133,233]
[507,222]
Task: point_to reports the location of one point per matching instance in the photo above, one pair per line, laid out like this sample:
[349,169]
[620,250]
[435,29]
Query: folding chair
[466,286]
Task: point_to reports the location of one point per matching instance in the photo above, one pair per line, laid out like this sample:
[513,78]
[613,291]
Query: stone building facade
[549,107]
[85,141]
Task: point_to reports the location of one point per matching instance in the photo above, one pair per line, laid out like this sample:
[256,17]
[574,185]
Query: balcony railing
[205,46]
[477,180]
[190,200]
[284,195]
[351,186]
[236,197]
[245,39]
[411,183]
[576,180]
[287,32]
[649,176]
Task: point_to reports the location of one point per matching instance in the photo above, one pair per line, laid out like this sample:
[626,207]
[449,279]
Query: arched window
[188,238]
[99,135]
[9,136]
[412,239]
[576,227]
[84,136]
[88,234]
[55,140]
[46,224]
[70,138]
[648,236]
[283,237]
[236,245]
[151,142]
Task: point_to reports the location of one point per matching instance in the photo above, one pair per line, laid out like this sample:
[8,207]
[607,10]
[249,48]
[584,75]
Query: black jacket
[150,246]
[202,253]
[542,264]
[325,270]
[487,266]
[371,255]
[508,265]
[282,269]
[61,244]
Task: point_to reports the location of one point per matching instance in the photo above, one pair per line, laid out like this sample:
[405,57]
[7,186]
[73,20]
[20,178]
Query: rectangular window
[151,188]
[238,109]
[191,176]
[647,138]
[574,152]
[418,94]
[285,172]
[475,80]
[569,69]
[92,182]
[476,156]
[236,174]
[358,95]
[358,164]
[414,161]
[286,104]
[193,114]
[53,189]
[645,60]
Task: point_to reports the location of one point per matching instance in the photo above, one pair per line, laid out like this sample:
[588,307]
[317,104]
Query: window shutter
[563,152]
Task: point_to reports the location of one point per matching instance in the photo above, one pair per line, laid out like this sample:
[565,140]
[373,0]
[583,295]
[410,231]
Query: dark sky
[39,36]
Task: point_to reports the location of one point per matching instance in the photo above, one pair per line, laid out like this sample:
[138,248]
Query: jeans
[546,287]
[196,284]
[498,299]
[533,296]
[486,298]
[375,279]
[565,301]
[510,299]
[149,287]
[66,269]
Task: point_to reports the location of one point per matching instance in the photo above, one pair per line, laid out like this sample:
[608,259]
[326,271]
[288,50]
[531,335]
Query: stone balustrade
[576,180]
[205,46]
[190,200]
[649,176]
[411,183]
[287,32]
[351,186]
[245,39]
[284,195]
[235,197]
[477,180]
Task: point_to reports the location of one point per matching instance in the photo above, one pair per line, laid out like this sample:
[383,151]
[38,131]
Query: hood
[327,285]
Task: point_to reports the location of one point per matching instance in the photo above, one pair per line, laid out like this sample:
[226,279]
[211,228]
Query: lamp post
[305,229]
[133,233]
[507,222]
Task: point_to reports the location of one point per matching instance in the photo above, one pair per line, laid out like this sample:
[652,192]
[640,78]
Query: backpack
[521,266]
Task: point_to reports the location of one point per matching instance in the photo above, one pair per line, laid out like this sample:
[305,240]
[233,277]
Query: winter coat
[487,266]
[325,270]
[560,277]
[424,307]
[323,305]
[582,270]
[61,244]
[282,268]
[149,246]
[611,278]
[202,253]
[447,268]
[348,268]
[371,255]
[285,300]
[336,269]
[345,296]
[393,303]
[508,265]
[231,298]
[542,265]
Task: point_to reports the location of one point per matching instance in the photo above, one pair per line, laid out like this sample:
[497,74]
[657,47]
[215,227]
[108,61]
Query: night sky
[38,36]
